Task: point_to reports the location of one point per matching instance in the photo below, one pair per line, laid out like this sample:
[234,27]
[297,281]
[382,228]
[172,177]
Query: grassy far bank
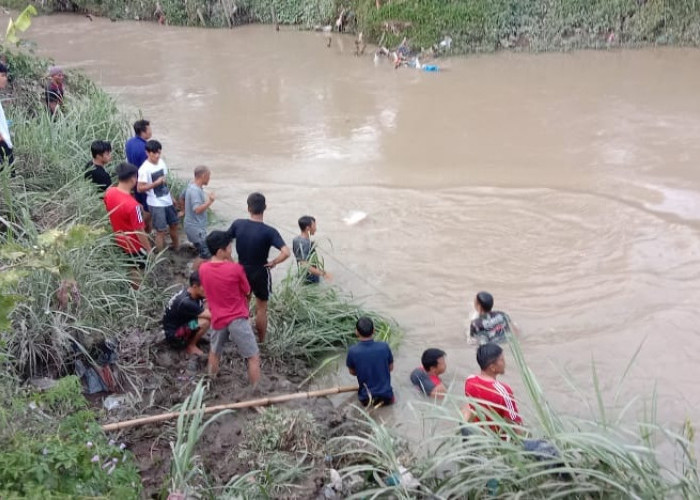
[473,25]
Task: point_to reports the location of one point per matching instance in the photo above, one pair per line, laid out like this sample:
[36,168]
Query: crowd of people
[217,298]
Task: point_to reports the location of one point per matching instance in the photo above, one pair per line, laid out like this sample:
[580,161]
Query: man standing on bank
[254,239]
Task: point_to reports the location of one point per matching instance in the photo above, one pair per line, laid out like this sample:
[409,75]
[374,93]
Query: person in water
[426,377]
[305,252]
[491,400]
[490,395]
[254,239]
[489,325]
[372,363]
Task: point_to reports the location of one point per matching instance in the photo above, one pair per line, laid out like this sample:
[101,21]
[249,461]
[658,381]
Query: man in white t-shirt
[152,181]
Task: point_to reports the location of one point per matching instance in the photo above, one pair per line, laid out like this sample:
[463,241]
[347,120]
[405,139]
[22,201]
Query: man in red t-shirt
[227,290]
[126,217]
[492,395]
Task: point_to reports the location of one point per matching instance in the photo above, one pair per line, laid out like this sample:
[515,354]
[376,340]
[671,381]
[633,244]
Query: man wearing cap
[54,90]
[227,290]
[126,217]
[426,378]
[6,155]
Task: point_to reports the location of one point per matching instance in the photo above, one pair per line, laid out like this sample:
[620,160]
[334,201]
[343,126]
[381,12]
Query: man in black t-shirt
[489,326]
[254,239]
[101,156]
[186,318]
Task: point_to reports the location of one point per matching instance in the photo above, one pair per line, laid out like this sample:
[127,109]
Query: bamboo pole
[229,406]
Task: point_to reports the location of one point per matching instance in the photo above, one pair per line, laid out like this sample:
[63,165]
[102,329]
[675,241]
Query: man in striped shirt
[490,394]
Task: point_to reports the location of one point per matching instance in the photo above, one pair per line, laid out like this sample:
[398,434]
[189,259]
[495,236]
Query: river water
[568,185]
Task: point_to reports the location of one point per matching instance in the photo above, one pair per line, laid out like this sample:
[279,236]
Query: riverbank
[470,26]
[68,309]
[378,448]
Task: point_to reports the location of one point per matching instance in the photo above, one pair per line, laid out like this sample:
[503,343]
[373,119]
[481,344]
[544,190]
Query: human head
[202,174]
[434,358]
[3,76]
[490,358]
[196,289]
[56,74]
[256,203]
[364,327]
[142,128]
[307,222]
[127,174]
[219,244]
[153,150]
[101,152]
[483,302]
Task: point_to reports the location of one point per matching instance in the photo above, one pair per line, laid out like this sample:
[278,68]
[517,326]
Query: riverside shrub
[53,447]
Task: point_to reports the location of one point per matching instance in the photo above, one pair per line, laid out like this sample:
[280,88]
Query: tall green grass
[65,284]
[598,457]
[311,322]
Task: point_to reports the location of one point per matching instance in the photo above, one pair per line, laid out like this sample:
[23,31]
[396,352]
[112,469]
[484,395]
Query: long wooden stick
[230,406]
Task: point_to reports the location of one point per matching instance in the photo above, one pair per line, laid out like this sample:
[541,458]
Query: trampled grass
[313,321]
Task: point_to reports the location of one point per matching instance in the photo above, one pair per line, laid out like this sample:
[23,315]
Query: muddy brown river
[568,185]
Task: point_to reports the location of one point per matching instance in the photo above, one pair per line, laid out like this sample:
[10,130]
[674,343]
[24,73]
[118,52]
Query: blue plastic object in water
[430,67]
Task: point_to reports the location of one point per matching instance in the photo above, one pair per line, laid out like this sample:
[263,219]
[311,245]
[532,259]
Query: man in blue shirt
[372,362]
[135,150]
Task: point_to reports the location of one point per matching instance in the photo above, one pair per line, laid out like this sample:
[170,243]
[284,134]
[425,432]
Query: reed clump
[311,322]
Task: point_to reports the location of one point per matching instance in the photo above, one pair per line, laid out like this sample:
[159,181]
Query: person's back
[253,241]
[195,196]
[494,395]
[226,288]
[372,362]
[492,326]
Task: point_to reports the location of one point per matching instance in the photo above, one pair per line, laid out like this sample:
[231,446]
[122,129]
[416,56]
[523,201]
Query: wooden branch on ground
[229,406]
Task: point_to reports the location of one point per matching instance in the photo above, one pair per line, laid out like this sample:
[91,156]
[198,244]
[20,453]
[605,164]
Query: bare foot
[193,349]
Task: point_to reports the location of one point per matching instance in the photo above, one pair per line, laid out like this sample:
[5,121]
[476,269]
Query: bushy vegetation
[53,447]
[473,25]
[488,25]
[312,322]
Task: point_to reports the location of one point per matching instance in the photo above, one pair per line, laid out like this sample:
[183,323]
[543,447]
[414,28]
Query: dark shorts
[163,217]
[379,400]
[260,281]
[141,198]
[183,335]
[137,259]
